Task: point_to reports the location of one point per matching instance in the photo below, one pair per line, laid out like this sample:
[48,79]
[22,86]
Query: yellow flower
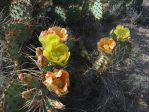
[45,33]
[61,32]
[106,45]
[57,53]
[53,34]
[48,39]
[122,33]
[57,82]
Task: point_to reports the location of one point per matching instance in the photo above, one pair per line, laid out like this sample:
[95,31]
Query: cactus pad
[21,10]
[71,11]
[19,31]
[96,9]
[16,34]
[12,100]
[59,14]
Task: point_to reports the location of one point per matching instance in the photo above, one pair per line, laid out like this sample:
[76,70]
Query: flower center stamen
[106,46]
[58,82]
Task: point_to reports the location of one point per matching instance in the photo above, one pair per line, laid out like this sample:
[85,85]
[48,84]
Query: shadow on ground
[125,88]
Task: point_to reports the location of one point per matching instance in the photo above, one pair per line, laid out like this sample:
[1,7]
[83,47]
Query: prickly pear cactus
[17,34]
[102,63]
[18,31]
[42,83]
[21,10]
[12,101]
[19,26]
[71,11]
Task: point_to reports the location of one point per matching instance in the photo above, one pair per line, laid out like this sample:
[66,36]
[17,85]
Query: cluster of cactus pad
[34,90]
[18,30]
[38,89]
[71,11]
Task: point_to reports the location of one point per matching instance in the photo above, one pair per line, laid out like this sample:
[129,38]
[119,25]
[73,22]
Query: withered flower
[57,82]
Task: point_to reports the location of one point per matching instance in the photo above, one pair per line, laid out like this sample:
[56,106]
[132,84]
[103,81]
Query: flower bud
[42,61]
[21,76]
[26,94]
[39,51]
[26,78]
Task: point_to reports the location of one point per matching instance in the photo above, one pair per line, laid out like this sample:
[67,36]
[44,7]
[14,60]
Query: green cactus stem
[102,63]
